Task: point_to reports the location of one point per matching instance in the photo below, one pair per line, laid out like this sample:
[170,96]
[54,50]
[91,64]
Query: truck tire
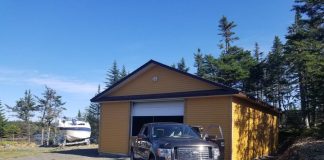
[132,155]
[152,157]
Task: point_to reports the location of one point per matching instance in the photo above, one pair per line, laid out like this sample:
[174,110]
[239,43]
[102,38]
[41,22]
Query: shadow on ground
[91,153]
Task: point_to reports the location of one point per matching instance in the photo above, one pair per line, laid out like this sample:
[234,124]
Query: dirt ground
[54,153]
[305,149]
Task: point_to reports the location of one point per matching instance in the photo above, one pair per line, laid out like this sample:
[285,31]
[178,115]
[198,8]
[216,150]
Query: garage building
[158,93]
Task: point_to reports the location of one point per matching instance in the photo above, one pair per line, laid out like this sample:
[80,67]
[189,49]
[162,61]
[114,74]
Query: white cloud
[64,84]
[71,86]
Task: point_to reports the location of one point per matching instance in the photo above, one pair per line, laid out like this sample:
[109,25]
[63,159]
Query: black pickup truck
[172,141]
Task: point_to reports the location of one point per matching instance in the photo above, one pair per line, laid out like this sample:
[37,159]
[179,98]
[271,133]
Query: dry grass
[10,149]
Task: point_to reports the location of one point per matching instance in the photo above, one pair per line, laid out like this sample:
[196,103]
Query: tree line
[289,77]
[49,107]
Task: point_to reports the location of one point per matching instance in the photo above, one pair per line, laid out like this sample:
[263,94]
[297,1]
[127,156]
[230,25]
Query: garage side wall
[255,131]
[208,111]
[114,127]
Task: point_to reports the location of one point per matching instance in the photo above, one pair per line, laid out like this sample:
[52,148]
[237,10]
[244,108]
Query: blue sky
[69,45]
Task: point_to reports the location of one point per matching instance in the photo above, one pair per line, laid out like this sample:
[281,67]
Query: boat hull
[76,133]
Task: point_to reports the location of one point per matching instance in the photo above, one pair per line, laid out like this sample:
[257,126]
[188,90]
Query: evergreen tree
[256,80]
[255,84]
[93,117]
[199,63]
[113,75]
[210,68]
[304,52]
[25,109]
[277,83]
[123,73]
[12,130]
[50,107]
[257,53]
[233,68]
[79,115]
[182,65]
[3,121]
[226,31]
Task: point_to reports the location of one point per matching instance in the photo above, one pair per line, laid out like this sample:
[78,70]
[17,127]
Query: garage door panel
[168,108]
[148,112]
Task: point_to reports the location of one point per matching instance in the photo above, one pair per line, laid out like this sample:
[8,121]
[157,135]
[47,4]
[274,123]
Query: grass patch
[9,149]
[17,153]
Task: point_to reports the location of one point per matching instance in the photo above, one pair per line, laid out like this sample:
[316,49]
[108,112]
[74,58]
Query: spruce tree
[199,63]
[123,73]
[79,115]
[182,65]
[277,82]
[3,121]
[233,68]
[113,75]
[24,110]
[226,31]
[257,53]
[93,117]
[304,52]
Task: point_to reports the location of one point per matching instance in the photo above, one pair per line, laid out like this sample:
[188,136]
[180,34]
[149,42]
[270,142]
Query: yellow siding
[255,132]
[114,127]
[211,110]
[168,81]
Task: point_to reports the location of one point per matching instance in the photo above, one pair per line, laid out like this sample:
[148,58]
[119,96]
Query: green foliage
[79,115]
[304,52]
[25,109]
[50,106]
[199,63]
[182,65]
[12,130]
[123,73]
[114,74]
[93,117]
[277,79]
[257,53]
[3,121]
[234,67]
[226,31]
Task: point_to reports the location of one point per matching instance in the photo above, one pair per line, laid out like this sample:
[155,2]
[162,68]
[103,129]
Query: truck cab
[172,141]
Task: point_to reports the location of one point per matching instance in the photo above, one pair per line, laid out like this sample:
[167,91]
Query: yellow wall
[211,110]
[168,81]
[255,132]
[114,127]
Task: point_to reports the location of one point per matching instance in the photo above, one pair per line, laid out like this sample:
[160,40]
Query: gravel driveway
[68,153]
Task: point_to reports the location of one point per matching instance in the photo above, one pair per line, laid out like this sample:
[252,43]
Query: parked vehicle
[74,131]
[172,141]
[213,133]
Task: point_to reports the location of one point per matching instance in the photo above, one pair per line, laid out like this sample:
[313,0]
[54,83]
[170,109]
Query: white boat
[74,130]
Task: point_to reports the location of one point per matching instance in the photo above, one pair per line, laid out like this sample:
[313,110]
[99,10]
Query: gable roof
[98,98]
[224,90]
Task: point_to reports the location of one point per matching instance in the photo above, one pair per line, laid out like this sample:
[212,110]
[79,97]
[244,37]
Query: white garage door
[167,108]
